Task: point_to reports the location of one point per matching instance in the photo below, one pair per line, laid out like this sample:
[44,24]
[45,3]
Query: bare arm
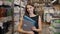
[21,30]
[20,27]
[39,24]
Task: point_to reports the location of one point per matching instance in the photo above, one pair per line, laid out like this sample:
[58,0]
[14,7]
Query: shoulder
[38,16]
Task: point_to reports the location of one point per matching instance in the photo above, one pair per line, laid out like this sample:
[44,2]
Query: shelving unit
[6,16]
[55,26]
[19,10]
[16,15]
[48,11]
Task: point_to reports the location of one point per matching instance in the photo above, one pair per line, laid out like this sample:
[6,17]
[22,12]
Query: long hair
[26,12]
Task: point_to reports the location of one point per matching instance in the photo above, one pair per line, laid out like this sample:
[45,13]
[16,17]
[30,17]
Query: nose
[29,9]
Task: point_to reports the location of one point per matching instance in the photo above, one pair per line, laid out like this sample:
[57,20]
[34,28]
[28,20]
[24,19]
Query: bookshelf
[6,13]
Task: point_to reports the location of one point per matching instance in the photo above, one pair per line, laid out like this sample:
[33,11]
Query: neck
[32,15]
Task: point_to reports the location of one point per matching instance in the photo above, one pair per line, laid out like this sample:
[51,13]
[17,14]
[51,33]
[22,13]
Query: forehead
[29,6]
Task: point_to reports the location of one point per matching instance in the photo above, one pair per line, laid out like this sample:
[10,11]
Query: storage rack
[19,10]
[55,26]
[8,6]
[48,11]
[16,15]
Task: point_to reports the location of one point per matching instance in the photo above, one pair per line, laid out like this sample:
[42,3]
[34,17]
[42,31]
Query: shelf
[54,29]
[17,2]
[5,19]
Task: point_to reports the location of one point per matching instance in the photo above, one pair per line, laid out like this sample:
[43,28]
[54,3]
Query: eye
[30,7]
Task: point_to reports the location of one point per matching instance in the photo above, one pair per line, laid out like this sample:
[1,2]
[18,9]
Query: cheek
[32,9]
[28,9]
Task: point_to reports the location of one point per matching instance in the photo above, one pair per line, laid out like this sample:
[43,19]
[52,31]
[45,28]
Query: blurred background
[12,10]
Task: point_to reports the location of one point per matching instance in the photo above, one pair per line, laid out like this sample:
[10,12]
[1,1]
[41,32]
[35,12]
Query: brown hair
[26,12]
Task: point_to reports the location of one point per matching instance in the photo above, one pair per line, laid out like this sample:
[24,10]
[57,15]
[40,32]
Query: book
[28,23]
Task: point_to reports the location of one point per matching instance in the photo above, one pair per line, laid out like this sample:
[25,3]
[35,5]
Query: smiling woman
[30,12]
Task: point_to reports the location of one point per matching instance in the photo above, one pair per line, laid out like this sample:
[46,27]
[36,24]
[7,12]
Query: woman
[31,13]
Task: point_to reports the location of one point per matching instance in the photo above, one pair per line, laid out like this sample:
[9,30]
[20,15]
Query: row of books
[18,11]
[4,12]
[17,2]
[5,15]
[55,26]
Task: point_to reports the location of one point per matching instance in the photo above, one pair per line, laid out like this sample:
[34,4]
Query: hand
[33,28]
[37,30]
[30,32]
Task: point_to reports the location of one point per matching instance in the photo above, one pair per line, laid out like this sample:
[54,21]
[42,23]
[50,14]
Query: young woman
[31,14]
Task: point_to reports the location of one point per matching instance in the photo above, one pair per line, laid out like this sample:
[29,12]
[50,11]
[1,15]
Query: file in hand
[28,23]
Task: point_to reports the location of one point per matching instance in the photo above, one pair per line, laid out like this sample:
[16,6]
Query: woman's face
[30,9]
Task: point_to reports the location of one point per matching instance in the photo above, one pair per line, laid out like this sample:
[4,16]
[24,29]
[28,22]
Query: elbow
[19,30]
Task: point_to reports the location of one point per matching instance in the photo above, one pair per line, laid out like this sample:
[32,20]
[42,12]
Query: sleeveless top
[36,24]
